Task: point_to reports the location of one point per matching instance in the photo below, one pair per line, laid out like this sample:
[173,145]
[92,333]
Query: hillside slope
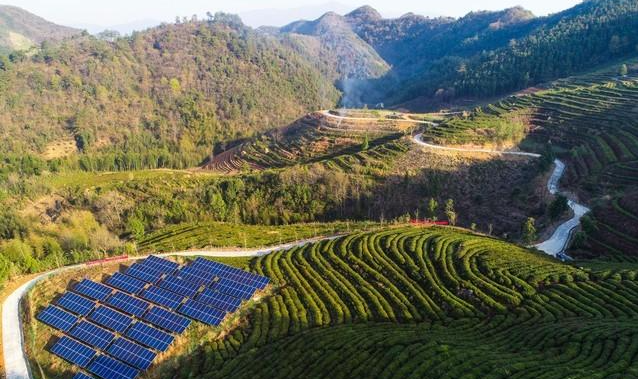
[161,98]
[331,40]
[20,30]
[589,121]
[405,303]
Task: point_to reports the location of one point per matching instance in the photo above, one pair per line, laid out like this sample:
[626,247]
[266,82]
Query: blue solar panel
[57,318]
[128,304]
[149,336]
[92,335]
[219,300]
[160,264]
[125,283]
[179,286]
[163,297]
[147,274]
[233,273]
[108,368]
[196,275]
[111,319]
[73,351]
[81,375]
[131,353]
[93,290]
[167,320]
[202,312]
[75,303]
[232,288]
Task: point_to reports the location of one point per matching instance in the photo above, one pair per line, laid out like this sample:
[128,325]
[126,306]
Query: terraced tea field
[413,302]
[590,121]
[339,144]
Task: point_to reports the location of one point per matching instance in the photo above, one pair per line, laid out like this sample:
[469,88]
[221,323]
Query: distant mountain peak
[21,30]
[365,13]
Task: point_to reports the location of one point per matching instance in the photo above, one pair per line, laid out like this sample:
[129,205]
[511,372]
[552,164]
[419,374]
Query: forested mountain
[481,54]
[160,98]
[331,41]
[21,30]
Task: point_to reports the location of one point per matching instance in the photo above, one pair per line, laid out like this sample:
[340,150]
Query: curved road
[15,362]
[16,365]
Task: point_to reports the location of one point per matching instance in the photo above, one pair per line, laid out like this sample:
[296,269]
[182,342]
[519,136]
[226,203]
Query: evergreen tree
[529,230]
[450,213]
[433,205]
[623,70]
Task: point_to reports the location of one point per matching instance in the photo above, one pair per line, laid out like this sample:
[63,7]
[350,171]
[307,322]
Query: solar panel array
[115,329]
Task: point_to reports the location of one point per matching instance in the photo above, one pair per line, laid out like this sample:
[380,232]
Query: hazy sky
[116,12]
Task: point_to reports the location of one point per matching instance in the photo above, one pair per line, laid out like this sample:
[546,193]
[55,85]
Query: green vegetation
[215,234]
[158,99]
[589,122]
[343,145]
[21,31]
[410,301]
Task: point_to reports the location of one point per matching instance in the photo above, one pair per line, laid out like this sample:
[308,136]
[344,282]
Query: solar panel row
[73,351]
[179,286]
[143,272]
[149,336]
[125,283]
[232,288]
[108,368]
[75,303]
[111,319]
[131,353]
[172,288]
[167,320]
[128,304]
[202,312]
[234,273]
[57,318]
[161,296]
[159,264]
[93,290]
[219,300]
[92,334]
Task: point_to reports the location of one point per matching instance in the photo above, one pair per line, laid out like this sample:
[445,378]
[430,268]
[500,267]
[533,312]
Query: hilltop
[21,30]
[161,98]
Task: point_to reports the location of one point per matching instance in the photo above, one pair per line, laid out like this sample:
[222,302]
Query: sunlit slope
[340,144]
[426,303]
[589,121]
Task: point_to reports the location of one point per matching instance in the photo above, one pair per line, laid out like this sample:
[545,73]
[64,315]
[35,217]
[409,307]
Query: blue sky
[117,12]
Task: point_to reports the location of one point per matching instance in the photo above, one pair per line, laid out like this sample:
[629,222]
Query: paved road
[557,243]
[15,361]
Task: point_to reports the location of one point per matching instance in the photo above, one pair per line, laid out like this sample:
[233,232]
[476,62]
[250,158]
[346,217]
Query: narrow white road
[557,243]
[327,113]
[15,361]
[418,139]
[16,365]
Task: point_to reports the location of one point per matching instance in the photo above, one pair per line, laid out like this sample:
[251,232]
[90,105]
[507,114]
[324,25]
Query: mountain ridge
[21,30]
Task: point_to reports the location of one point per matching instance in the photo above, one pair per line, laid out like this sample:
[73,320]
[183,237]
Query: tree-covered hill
[482,54]
[21,30]
[160,98]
